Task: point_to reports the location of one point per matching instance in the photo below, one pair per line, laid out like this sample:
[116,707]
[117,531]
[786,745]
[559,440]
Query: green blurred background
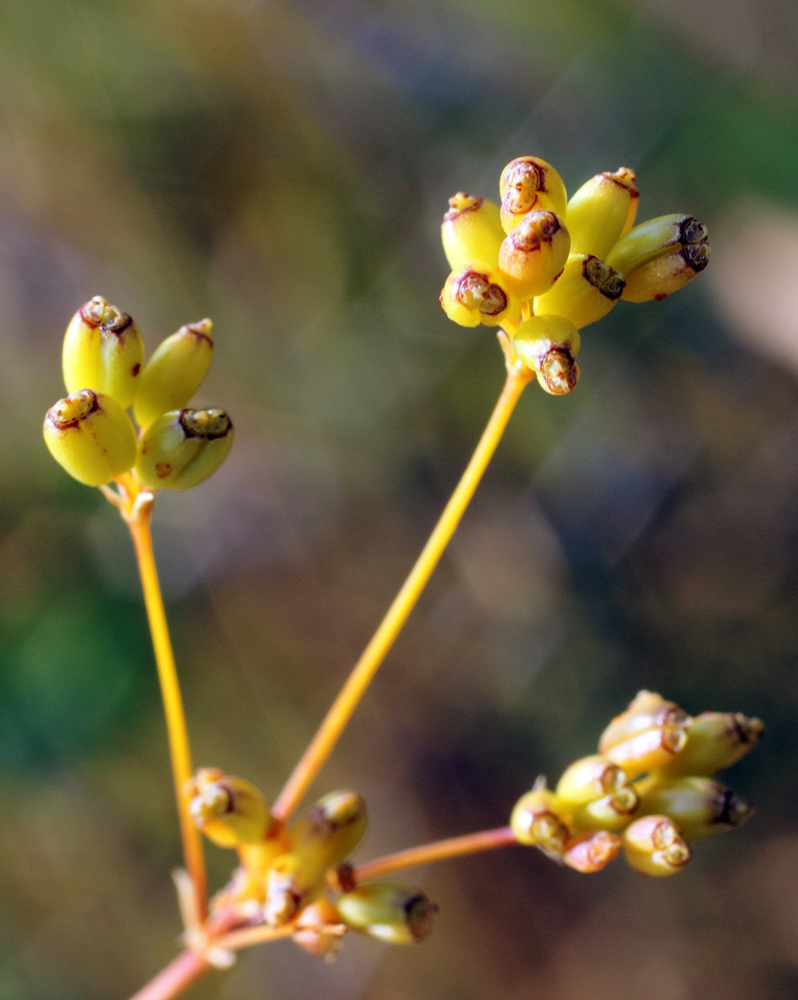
[283,167]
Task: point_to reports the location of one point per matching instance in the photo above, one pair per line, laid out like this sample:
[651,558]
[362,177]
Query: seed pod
[611,812]
[319,930]
[182,449]
[590,852]
[660,256]
[715,740]
[549,345]
[647,710]
[594,778]
[475,293]
[526,184]
[322,839]
[471,230]
[91,436]
[648,750]
[174,372]
[654,846]
[533,255]
[698,806]
[230,811]
[601,211]
[387,911]
[585,292]
[537,820]
[103,350]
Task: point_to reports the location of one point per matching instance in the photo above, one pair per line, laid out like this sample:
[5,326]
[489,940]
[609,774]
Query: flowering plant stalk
[539,268]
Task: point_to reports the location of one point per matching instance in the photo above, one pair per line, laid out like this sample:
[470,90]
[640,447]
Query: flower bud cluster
[90,433]
[299,875]
[541,266]
[648,792]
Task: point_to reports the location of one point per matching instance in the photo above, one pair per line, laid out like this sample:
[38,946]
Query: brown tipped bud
[698,806]
[594,778]
[476,293]
[91,436]
[612,812]
[660,256]
[526,184]
[646,711]
[601,211]
[654,846]
[537,820]
[549,345]
[590,852]
[585,292]
[471,230]
[533,255]
[389,912]
[230,811]
[649,750]
[715,740]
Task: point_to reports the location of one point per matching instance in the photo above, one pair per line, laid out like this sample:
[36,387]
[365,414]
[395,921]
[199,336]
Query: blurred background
[282,166]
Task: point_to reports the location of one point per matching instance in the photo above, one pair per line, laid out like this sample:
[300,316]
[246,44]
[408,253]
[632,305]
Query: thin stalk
[364,670]
[440,850]
[176,977]
[138,521]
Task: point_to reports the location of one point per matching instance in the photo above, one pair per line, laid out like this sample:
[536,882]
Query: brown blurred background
[282,167]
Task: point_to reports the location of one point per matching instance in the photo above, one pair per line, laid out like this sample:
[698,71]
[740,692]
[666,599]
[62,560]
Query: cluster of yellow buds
[298,875]
[541,266]
[648,791]
[90,433]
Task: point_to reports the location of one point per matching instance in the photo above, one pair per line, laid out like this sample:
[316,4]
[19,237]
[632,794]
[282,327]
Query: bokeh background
[282,166]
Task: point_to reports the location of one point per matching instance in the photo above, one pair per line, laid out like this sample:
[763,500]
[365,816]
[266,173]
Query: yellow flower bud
[389,912]
[654,846]
[647,710]
[537,820]
[91,436]
[648,750]
[182,449]
[699,806]
[585,292]
[475,293]
[174,372]
[103,350]
[611,812]
[590,852]
[601,211]
[471,230]
[528,183]
[715,740]
[230,811]
[533,256]
[660,256]
[594,778]
[322,839]
[549,345]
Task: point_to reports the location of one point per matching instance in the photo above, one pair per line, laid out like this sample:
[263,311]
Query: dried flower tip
[698,806]
[533,255]
[654,846]
[594,778]
[590,852]
[585,292]
[647,710]
[528,183]
[174,372]
[715,740]
[660,256]
[537,820]
[230,811]
[601,211]
[548,345]
[319,930]
[103,350]
[475,293]
[471,230]
[91,436]
[387,911]
[183,448]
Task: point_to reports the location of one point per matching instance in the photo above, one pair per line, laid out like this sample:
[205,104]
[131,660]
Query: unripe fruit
[91,436]
[601,211]
[174,372]
[548,345]
[471,230]
[475,293]
[528,183]
[103,350]
[654,846]
[387,911]
[183,448]
[715,740]
[230,811]
[585,292]
[660,256]
[533,255]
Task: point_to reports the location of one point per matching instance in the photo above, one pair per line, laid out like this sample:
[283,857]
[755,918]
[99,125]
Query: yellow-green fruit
[612,812]
[387,911]
[471,230]
[585,292]
[528,183]
[590,852]
[648,750]
[593,778]
[183,448]
[538,820]
[548,345]
[533,255]
[601,211]
[698,806]
[654,846]
[91,436]
[647,710]
[230,811]
[103,350]
[662,277]
[475,293]
[660,256]
[715,740]
[174,372]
